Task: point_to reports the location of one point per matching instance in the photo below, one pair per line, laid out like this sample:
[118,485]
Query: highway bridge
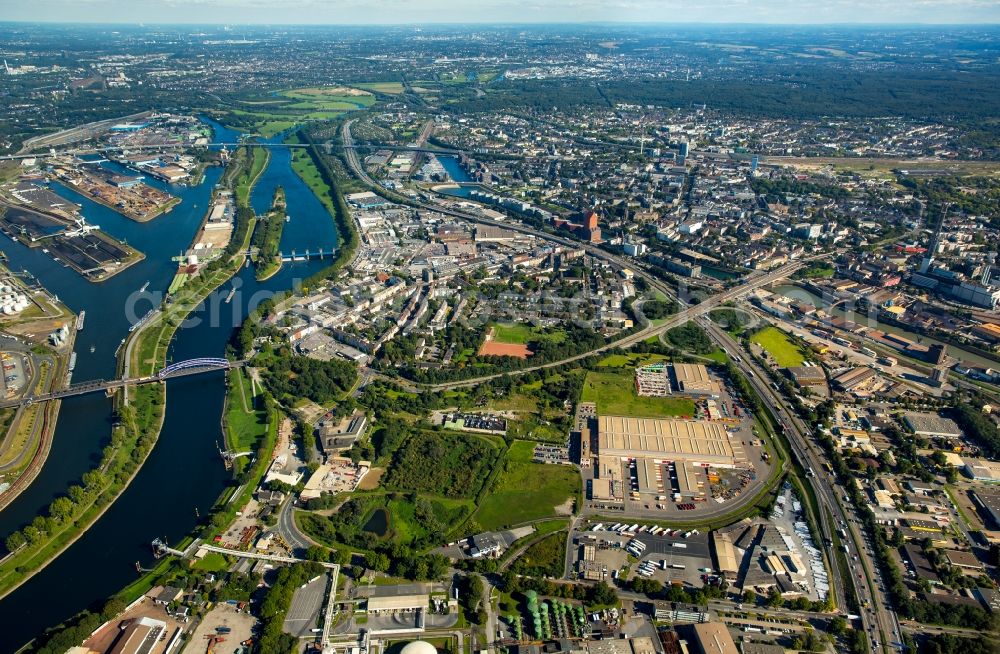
[179,369]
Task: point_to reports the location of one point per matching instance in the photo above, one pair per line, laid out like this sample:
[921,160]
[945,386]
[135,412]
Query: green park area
[779,346]
[525,491]
[275,114]
[246,418]
[614,393]
[430,486]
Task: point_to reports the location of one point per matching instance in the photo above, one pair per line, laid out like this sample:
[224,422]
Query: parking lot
[688,556]
[225,615]
[307,604]
[13,373]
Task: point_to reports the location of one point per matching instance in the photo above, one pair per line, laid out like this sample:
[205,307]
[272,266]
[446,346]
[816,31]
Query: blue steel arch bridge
[177,369]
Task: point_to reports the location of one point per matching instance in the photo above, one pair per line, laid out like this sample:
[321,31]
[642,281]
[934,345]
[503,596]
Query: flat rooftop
[694,378]
[661,438]
[931,424]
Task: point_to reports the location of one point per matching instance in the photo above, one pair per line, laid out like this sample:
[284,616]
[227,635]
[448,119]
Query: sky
[492,11]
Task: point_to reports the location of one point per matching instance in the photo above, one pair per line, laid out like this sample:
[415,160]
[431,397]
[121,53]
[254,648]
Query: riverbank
[141,420]
[129,439]
[184,445]
[23,453]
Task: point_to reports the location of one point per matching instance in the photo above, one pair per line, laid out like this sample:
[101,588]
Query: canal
[183,473]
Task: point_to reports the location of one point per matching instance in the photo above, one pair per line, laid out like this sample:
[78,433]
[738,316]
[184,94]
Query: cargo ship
[72,361]
[80,319]
[229,298]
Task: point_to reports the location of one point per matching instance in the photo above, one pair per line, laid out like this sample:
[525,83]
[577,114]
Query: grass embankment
[246,182]
[132,439]
[249,422]
[319,176]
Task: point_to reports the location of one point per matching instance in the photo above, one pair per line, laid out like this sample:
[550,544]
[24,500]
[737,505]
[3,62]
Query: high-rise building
[682,153]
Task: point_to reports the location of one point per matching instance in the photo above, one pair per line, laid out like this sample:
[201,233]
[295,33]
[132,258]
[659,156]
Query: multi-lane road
[880,622]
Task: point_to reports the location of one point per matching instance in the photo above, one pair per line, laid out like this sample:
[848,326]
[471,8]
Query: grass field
[544,558]
[774,341]
[526,491]
[244,429]
[614,393]
[520,333]
[389,88]
[338,97]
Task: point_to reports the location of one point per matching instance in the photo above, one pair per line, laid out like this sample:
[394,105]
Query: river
[183,472]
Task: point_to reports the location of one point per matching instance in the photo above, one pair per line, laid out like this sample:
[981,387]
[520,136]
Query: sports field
[614,393]
[777,344]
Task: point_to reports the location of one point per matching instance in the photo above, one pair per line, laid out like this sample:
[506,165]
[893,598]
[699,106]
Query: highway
[874,612]
[879,622]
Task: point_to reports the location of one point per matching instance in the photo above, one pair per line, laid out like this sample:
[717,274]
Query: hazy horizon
[430,12]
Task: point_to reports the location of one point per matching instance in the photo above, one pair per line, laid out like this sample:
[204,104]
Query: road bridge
[179,369]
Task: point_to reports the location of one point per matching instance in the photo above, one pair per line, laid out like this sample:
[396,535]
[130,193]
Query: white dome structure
[419,647]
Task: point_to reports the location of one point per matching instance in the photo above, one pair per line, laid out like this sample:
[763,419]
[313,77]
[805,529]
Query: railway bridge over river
[174,370]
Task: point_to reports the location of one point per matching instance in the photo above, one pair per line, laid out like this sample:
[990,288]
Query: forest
[787,92]
[294,376]
[445,464]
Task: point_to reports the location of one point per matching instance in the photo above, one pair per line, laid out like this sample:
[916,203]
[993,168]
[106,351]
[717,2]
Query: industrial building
[983,470]
[807,375]
[726,561]
[931,424]
[714,638]
[398,603]
[696,441]
[693,378]
[339,435]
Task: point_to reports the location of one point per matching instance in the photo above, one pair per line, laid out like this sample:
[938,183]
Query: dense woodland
[296,376]
[441,463]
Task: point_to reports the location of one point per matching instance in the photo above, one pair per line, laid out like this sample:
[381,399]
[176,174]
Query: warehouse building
[696,441]
[931,425]
[714,638]
[690,481]
[807,375]
[693,378]
[983,470]
[405,603]
[725,556]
